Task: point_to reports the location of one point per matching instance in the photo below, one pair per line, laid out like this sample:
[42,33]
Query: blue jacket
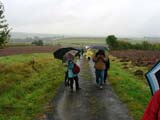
[70,68]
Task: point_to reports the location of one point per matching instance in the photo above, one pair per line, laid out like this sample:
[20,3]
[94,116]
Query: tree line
[115,44]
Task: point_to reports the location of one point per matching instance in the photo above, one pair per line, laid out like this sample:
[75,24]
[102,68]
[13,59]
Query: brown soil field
[26,50]
[138,57]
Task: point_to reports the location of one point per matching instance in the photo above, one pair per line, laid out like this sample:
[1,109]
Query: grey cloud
[97,17]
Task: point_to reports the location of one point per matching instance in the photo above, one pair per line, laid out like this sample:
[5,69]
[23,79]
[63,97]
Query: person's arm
[102,58]
[94,59]
[151,112]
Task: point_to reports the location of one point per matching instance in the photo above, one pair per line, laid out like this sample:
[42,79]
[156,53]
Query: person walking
[100,66]
[73,76]
[106,69]
[89,54]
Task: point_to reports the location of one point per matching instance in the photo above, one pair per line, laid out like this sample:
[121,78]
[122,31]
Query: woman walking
[100,66]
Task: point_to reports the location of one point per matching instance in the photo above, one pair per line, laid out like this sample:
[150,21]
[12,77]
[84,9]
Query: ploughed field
[138,57]
[26,50]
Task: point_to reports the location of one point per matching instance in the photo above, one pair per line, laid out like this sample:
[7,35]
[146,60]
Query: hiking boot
[71,90]
[78,88]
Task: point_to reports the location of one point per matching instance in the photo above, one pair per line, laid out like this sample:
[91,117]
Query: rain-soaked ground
[89,103]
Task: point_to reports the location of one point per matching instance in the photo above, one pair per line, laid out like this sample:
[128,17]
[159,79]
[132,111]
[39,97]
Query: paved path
[90,103]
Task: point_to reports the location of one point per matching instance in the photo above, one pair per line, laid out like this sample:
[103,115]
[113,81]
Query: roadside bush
[38,43]
[124,45]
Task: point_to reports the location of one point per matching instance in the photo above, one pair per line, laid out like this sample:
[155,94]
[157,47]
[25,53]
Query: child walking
[72,76]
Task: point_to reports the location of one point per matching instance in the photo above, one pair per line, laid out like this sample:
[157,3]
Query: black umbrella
[99,47]
[59,54]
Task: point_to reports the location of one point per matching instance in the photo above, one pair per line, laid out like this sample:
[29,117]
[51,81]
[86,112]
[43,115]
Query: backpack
[76,69]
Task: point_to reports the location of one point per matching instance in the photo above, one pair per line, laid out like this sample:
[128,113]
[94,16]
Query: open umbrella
[99,47]
[70,55]
[153,77]
[59,54]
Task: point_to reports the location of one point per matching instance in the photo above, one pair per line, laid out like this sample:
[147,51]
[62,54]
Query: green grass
[26,88]
[24,58]
[131,90]
[80,41]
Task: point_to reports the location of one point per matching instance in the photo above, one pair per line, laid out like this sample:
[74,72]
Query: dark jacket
[107,64]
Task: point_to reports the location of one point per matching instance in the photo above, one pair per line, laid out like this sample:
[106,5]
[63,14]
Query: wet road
[89,103]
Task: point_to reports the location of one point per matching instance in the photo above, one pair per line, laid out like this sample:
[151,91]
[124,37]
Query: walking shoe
[78,88]
[71,90]
[101,87]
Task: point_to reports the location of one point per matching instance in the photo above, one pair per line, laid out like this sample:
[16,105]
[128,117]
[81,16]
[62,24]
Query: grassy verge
[131,90]
[27,85]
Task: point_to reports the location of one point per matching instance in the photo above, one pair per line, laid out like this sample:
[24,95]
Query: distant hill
[22,35]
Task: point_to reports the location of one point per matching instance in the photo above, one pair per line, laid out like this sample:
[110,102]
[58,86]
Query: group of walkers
[101,67]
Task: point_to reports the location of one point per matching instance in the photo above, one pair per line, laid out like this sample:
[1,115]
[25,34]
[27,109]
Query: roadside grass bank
[131,89]
[28,83]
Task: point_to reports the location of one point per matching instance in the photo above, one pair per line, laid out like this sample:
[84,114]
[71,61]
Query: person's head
[100,52]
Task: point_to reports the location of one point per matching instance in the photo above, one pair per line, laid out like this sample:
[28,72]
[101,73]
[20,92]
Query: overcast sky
[136,18]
